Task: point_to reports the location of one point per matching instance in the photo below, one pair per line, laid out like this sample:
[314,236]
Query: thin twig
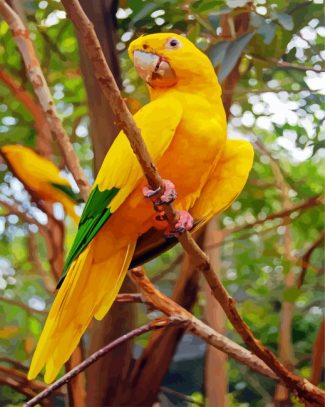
[38,81]
[20,304]
[153,325]
[130,298]
[181,396]
[306,257]
[302,387]
[287,65]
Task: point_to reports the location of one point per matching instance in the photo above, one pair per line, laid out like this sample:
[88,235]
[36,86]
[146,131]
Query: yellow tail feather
[88,290]
[69,207]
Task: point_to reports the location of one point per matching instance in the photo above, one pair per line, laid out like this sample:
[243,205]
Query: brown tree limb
[20,304]
[157,300]
[304,389]
[14,209]
[306,204]
[130,298]
[306,257]
[215,373]
[318,355]
[13,362]
[37,79]
[21,378]
[287,65]
[156,324]
[41,125]
[162,344]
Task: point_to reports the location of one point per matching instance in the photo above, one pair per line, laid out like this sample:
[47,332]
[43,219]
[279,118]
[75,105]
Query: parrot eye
[173,43]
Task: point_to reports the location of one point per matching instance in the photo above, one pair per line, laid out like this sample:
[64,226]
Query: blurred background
[267,247]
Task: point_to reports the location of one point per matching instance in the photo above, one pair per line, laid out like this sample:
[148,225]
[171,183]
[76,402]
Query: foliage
[277,104]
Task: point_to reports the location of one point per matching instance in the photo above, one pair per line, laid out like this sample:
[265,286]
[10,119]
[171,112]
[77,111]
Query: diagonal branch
[41,125]
[38,81]
[153,325]
[157,300]
[306,257]
[304,389]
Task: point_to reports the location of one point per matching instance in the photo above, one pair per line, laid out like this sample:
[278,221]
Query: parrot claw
[161,216]
[168,196]
[150,193]
[185,222]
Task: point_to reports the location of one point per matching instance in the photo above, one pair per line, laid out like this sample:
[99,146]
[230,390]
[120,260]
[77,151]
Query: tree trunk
[145,379]
[105,376]
[216,381]
[102,121]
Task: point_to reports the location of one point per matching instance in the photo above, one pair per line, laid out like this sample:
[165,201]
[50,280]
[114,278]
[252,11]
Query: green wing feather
[67,191]
[94,215]
[121,171]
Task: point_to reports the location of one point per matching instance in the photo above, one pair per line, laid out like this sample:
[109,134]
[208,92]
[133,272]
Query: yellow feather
[88,290]
[38,174]
[184,128]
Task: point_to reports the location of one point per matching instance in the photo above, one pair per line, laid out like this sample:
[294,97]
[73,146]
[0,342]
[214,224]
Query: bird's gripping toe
[185,222]
[169,195]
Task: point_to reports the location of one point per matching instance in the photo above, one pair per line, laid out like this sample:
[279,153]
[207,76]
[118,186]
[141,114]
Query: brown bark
[216,381]
[145,379]
[156,324]
[318,355]
[102,120]
[106,377]
[77,386]
[44,138]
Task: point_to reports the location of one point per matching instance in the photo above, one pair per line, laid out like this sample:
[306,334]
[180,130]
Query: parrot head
[166,59]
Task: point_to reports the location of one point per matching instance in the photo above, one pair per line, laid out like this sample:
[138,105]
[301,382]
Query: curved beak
[154,69]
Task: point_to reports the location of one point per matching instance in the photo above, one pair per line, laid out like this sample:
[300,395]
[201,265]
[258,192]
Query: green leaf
[232,54]
[217,52]
[267,31]
[144,12]
[291,294]
[285,20]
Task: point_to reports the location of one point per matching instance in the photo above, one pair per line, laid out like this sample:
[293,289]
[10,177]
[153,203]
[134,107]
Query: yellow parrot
[184,128]
[40,176]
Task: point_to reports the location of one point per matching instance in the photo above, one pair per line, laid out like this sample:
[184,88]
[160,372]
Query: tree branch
[41,125]
[306,257]
[153,325]
[157,300]
[20,304]
[37,79]
[303,388]
[287,65]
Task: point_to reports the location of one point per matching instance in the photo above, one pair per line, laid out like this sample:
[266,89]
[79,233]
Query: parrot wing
[121,171]
[222,187]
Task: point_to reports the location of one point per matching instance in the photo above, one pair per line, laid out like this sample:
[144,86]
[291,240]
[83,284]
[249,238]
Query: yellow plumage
[184,128]
[40,176]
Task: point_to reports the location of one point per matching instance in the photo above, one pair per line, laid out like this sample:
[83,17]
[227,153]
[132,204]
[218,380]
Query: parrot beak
[154,69]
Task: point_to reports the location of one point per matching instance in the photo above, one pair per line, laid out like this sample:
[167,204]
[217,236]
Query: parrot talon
[169,195]
[161,216]
[185,222]
[150,193]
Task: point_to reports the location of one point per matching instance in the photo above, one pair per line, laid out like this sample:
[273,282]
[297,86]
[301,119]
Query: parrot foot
[168,196]
[185,222]
[161,216]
